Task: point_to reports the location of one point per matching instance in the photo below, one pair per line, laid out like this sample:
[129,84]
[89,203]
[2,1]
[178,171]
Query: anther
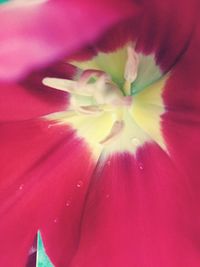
[131,68]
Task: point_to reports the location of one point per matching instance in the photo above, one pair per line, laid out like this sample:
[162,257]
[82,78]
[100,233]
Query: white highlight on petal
[141,167]
[55,220]
[68,203]
[21,186]
[79,184]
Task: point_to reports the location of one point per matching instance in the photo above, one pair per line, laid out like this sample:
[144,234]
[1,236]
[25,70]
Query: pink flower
[100,134]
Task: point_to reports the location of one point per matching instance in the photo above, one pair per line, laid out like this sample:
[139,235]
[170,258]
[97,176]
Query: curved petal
[139,212]
[181,122]
[37,183]
[34,35]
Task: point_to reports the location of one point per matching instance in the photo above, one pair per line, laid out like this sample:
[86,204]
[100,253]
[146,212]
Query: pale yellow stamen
[69,86]
[131,68]
[103,90]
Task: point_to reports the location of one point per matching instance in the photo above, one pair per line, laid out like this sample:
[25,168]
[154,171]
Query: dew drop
[68,203]
[141,167]
[79,184]
[135,141]
[21,187]
[55,220]
[107,196]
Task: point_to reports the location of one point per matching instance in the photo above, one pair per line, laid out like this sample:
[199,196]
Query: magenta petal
[18,158]
[34,35]
[61,233]
[35,186]
[181,122]
[139,212]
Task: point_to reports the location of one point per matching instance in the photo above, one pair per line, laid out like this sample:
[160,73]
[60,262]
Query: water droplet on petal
[79,184]
[21,187]
[135,141]
[107,196]
[55,220]
[141,167]
[68,203]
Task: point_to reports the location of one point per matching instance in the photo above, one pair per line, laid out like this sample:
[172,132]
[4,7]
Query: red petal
[181,123]
[139,212]
[61,233]
[38,176]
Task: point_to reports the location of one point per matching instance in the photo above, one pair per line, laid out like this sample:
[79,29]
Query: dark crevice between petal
[32,257]
[180,55]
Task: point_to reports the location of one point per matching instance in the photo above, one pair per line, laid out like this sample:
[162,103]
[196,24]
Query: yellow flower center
[105,111]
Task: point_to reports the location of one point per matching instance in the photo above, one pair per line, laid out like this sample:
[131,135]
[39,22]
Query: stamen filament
[131,68]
